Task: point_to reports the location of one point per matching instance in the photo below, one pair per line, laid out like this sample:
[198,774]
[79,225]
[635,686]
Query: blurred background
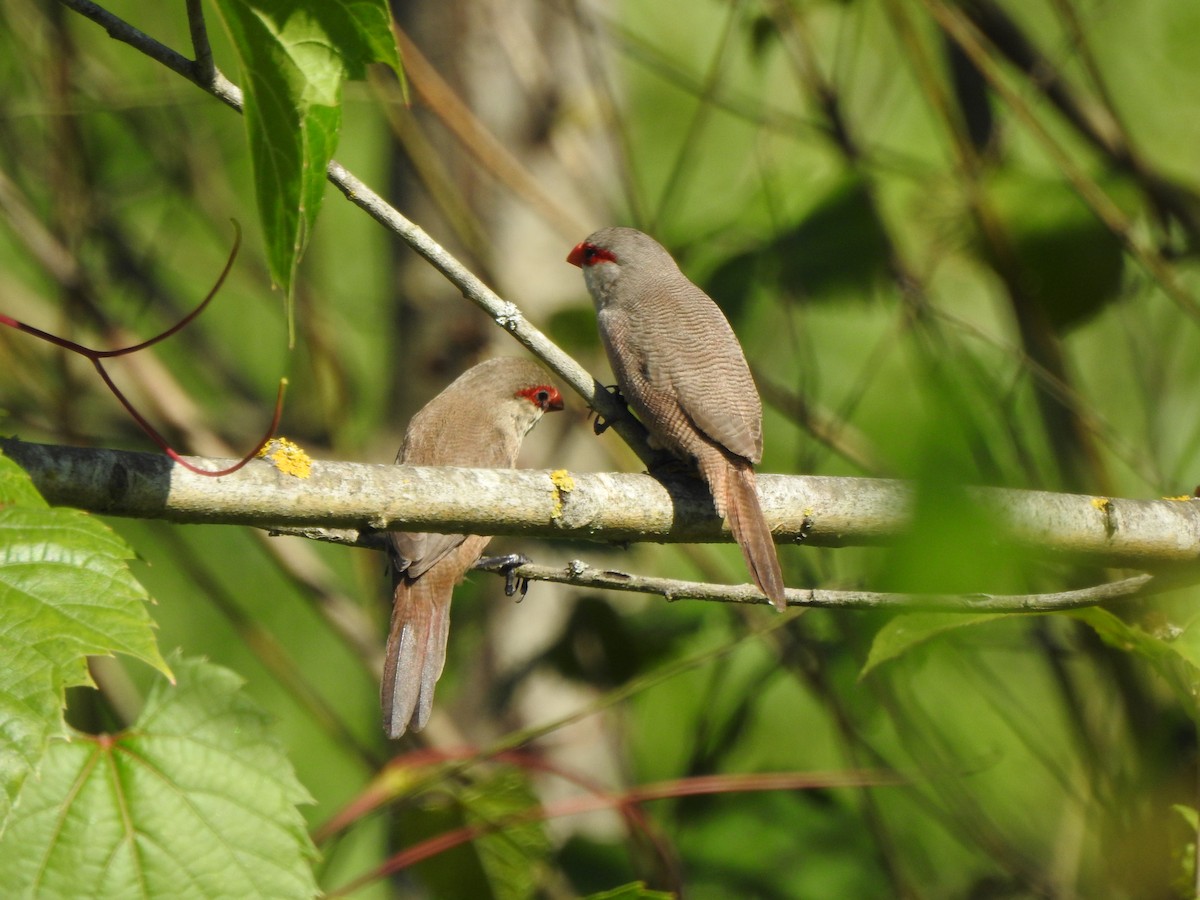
[958,243]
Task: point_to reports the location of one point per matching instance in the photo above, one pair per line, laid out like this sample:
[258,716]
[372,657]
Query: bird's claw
[508,564]
[602,424]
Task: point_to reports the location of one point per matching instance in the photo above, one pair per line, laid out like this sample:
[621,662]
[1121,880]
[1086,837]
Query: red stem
[96,355]
[713,784]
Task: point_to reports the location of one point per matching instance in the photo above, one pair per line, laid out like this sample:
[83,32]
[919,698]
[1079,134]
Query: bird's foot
[507,564]
[602,424]
[806,528]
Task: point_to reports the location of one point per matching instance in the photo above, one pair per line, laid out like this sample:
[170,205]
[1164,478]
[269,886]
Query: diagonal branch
[118,29]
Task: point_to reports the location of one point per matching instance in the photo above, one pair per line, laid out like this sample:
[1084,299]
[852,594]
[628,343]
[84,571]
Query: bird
[478,420]
[681,370]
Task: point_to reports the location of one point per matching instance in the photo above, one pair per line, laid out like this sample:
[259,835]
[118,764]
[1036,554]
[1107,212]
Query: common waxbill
[681,369]
[479,420]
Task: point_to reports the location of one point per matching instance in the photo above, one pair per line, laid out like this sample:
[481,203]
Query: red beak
[575,257]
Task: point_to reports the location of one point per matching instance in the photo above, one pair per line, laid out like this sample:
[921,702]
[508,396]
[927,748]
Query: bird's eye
[543,396]
[589,253]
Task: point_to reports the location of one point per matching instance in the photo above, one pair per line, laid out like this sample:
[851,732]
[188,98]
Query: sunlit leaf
[295,57]
[904,632]
[1169,659]
[196,800]
[65,593]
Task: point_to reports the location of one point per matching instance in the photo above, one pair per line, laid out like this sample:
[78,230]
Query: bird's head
[620,255]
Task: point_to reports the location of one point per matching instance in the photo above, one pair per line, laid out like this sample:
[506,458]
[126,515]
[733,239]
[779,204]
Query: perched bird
[479,421]
[681,369]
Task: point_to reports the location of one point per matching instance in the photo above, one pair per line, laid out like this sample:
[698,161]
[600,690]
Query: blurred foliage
[927,287]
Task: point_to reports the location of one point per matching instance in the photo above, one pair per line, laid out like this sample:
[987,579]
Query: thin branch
[504,313]
[118,29]
[579,574]
[685,787]
[205,68]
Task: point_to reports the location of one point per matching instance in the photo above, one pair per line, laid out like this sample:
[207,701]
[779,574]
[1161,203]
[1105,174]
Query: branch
[504,313]
[209,79]
[580,574]
[606,507]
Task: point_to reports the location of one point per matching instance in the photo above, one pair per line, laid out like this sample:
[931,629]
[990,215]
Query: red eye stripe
[544,396]
[585,254]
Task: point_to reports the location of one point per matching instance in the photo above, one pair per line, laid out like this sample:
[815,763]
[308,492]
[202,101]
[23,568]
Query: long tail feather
[416,651]
[753,535]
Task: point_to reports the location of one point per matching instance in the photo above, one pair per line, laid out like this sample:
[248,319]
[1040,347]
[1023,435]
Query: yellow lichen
[287,457]
[563,484]
[1181,498]
[1102,503]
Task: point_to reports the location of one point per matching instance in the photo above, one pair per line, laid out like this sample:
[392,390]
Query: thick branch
[821,511]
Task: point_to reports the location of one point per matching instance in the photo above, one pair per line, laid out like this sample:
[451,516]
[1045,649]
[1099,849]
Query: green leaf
[196,800]
[65,593]
[1173,660]
[514,856]
[904,632]
[636,890]
[295,56]
[503,861]
[16,488]
[1189,814]
[31,692]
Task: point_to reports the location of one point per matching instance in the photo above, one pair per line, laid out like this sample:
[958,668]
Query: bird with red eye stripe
[478,421]
[682,371]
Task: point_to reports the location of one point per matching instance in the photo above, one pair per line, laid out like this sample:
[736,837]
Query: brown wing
[715,387]
[690,377]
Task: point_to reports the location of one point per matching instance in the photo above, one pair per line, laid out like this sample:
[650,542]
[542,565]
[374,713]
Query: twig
[118,29]
[96,358]
[580,574]
[504,313]
[205,68]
